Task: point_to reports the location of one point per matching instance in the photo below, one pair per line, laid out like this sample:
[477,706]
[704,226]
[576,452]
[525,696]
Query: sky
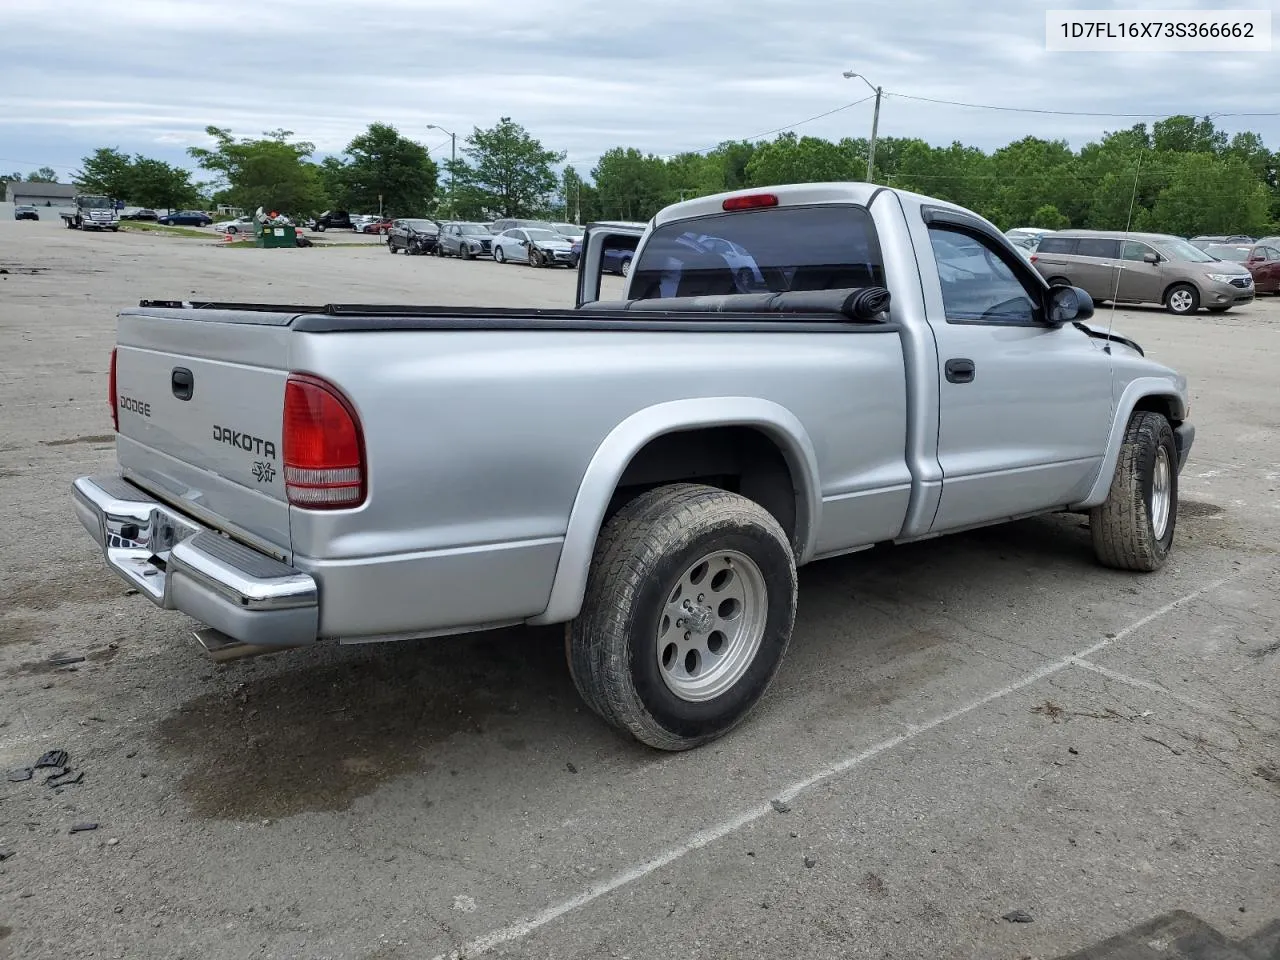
[663,76]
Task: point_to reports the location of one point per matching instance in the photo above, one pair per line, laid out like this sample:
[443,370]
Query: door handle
[183,383]
[960,370]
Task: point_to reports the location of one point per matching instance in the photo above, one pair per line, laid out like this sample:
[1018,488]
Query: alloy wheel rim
[1161,494]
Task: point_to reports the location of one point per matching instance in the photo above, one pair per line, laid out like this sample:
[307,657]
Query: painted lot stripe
[522,928]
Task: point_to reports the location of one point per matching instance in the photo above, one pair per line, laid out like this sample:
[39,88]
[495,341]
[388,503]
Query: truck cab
[93,212]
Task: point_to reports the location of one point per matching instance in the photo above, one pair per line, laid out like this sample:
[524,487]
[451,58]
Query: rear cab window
[774,250]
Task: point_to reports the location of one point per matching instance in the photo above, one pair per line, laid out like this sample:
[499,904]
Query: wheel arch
[1155,394]
[626,444]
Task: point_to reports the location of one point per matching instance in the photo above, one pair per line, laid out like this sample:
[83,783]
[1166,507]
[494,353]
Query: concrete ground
[966,728]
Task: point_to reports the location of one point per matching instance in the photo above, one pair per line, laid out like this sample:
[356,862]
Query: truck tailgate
[200,398]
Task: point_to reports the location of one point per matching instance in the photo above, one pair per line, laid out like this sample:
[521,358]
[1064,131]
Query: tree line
[1179,175]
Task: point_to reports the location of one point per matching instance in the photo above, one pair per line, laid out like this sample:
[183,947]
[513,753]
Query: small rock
[131,754]
[266,823]
[82,827]
[1073,751]
[794,835]
[131,592]
[571,768]
[119,910]
[6,854]
[113,841]
[780,806]
[751,853]
[1018,916]
[19,774]
[810,862]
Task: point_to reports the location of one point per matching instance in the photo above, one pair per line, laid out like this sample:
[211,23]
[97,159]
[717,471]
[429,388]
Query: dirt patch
[86,585]
[1194,509]
[56,662]
[92,438]
[15,630]
[320,737]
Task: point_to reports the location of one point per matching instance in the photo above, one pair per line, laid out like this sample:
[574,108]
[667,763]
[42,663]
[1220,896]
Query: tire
[648,558]
[1182,299]
[391,247]
[115,229]
[498,255]
[1052,281]
[466,253]
[625,268]
[233,230]
[1126,528]
[320,228]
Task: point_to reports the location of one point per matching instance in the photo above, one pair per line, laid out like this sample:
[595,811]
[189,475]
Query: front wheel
[1182,299]
[688,612]
[320,228]
[1133,528]
[498,255]
[626,267]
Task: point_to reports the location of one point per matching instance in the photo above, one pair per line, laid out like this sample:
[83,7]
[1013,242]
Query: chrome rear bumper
[180,564]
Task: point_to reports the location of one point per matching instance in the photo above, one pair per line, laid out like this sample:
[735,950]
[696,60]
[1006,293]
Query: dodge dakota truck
[648,471]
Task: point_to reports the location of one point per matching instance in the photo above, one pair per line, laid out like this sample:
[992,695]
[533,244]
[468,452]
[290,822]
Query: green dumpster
[275,235]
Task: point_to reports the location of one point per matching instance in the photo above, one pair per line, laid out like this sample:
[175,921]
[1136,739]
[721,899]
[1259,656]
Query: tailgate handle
[183,383]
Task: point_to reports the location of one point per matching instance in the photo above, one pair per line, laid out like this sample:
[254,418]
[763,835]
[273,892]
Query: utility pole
[453,162]
[875,123]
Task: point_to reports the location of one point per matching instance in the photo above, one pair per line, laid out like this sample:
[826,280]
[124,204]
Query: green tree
[381,164]
[154,183]
[106,171]
[578,198]
[1049,218]
[630,185]
[789,159]
[43,175]
[1185,134]
[1208,194]
[504,172]
[333,177]
[272,172]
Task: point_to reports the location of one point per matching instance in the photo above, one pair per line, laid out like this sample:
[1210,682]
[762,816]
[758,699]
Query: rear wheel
[1182,299]
[1133,528]
[1059,281]
[689,607]
[626,267]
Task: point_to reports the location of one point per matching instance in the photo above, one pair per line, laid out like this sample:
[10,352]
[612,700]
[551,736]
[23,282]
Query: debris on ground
[54,758]
[82,827]
[1049,709]
[780,806]
[571,768]
[810,862]
[64,661]
[19,774]
[1018,916]
[65,779]
[6,854]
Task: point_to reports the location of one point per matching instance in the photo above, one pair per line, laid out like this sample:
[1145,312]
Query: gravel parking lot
[964,728]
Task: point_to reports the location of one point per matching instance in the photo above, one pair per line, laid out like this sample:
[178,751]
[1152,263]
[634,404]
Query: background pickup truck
[650,471]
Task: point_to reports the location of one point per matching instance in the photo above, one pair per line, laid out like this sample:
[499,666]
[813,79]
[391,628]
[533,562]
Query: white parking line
[523,928]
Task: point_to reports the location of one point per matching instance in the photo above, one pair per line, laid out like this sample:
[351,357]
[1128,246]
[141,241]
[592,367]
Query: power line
[1064,113]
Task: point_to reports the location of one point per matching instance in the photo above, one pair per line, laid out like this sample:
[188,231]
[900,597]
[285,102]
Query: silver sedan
[538,248]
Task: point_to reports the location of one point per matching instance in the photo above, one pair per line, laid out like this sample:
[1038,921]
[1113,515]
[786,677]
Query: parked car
[1203,242]
[570,231]
[235,226]
[413,235]
[617,260]
[1143,268]
[1262,260]
[511,223]
[143,214]
[645,471]
[462,239]
[186,218]
[1028,238]
[376,226]
[538,248]
[25,212]
[333,220]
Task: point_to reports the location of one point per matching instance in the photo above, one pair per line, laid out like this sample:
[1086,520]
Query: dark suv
[413,235]
[465,240]
[334,220]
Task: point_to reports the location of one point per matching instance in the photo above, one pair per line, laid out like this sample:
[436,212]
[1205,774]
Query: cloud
[662,75]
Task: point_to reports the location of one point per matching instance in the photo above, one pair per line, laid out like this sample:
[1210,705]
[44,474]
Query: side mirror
[1149,257]
[1067,304]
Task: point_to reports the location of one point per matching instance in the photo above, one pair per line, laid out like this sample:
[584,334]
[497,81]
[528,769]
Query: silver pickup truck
[794,373]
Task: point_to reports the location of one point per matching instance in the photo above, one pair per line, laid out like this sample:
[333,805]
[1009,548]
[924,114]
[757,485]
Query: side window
[1134,250]
[977,284]
[1098,247]
[1057,245]
[1271,253]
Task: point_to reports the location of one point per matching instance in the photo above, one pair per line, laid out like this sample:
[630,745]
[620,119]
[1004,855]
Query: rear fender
[629,437]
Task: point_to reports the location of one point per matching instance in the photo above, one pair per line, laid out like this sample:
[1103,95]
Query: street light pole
[875,123]
[453,162]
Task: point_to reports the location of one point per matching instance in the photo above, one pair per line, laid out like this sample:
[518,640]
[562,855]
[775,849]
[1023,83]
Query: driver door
[1024,407]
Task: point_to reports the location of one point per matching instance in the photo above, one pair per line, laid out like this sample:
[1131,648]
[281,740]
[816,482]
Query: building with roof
[19,192]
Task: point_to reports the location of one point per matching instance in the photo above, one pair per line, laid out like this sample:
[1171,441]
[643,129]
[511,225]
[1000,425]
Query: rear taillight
[323,449]
[111,394]
[1032,258]
[750,201]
